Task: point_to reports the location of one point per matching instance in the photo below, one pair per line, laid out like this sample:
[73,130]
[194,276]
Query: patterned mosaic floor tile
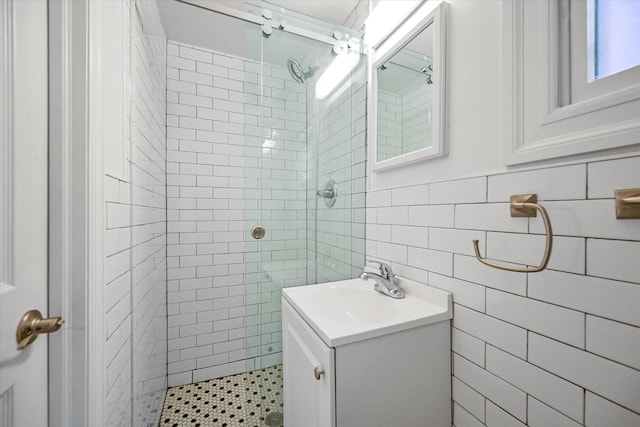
[252,399]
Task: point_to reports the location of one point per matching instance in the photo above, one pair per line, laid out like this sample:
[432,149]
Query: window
[614,27]
[575,77]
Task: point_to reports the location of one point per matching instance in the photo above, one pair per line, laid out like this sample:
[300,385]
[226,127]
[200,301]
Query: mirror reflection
[405,97]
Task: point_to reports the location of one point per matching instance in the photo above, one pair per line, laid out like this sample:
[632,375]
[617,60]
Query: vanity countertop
[351,310]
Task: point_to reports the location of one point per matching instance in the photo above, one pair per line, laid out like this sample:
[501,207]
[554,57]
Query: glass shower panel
[303,144]
[297,145]
[337,160]
[148,231]
[288,62]
[252,195]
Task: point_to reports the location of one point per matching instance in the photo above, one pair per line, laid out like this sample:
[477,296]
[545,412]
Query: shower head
[296,71]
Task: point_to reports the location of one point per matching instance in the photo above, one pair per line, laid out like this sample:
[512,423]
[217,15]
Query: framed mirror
[407,120]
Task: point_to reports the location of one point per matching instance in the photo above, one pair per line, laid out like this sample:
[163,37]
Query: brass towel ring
[524,205]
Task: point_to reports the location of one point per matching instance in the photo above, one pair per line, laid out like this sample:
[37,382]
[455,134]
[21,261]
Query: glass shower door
[281,148]
[299,143]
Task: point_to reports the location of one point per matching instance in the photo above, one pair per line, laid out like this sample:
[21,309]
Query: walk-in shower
[250,145]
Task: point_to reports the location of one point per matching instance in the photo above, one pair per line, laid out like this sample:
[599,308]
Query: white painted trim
[425,16]
[68,253]
[603,120]
[96,221]
[59,233]
[6,136]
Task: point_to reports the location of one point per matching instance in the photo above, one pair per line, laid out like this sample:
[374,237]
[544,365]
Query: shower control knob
[258,232]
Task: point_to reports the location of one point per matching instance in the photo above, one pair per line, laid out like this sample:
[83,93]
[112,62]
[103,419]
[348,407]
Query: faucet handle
[385,269]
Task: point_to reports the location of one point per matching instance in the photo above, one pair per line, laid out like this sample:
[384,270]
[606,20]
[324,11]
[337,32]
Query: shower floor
[252,399]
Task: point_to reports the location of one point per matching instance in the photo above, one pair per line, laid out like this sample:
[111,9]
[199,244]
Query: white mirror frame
[429,13]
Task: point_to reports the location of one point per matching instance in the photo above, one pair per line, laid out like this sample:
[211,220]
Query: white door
[23,207]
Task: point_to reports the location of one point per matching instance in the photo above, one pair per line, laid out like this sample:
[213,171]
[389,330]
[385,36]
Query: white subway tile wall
[416,115]
[239,154]
[236,160]
[118,399]
[389,122]
[337,152]
[149,216]
[555,348]
[135,231]
[404,120]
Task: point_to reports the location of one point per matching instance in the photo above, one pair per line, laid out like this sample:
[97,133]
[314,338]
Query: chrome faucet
[386,282]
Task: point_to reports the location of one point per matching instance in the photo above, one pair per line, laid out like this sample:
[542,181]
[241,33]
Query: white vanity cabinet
[400,378]
[308,366]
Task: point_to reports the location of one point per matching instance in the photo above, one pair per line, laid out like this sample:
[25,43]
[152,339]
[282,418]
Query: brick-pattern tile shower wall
[234,159]
[149,216]
[135,223]
[404,121]
[556,348]
[118,400]
[389,125]
[337,135]
[416,118]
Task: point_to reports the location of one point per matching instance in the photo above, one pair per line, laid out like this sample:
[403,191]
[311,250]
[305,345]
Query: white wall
[133,58]
[336,151]
[389,123]
[149,215]
[404,121]
[117,235]
[474,94]
[243,153]
[237,158]
[417,118]
[558,347]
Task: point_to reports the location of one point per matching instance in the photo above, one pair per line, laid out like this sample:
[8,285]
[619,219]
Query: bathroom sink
[348,311]
[355,304]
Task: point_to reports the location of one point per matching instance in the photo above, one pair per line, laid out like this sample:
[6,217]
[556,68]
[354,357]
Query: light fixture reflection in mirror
[405,98]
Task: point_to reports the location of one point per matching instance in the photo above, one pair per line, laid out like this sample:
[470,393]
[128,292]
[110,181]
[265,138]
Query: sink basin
[356,304]
[348,311]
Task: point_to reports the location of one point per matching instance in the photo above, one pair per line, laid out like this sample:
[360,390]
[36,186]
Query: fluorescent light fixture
[385,17]
[336,72]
